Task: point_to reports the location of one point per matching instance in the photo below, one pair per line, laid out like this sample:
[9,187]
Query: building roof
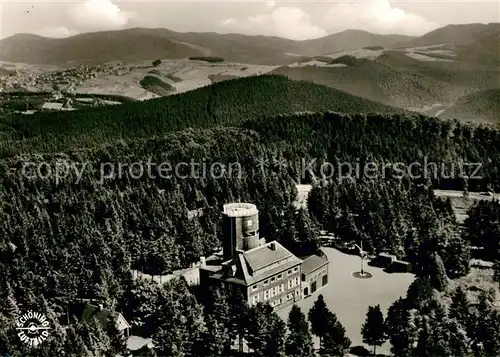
[264,261]
[266,255]
[104,316]
[402,262]
[52,105]
[135,343]
[386,255]
[258,264]
[313,262]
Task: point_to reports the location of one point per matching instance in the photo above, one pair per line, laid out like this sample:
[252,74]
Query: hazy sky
[296,20]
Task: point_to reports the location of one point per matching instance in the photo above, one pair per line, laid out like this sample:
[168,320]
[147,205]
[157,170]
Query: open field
[349,297]
[13,66]
[182,74]
[361,53]
[461,204]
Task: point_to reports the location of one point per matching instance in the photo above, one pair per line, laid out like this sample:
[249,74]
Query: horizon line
[248,35]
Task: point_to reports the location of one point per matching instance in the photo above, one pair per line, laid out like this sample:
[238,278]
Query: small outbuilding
[383,260]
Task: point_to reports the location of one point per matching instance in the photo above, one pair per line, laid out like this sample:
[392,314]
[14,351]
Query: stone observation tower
[241,228]
[261,271]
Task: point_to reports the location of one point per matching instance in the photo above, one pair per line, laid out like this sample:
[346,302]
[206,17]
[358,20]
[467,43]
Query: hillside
[485,50]
[457,34]
[225,103]
[455,73]
[480,106]
[100,47]
[92,48]
[372,80]
[351,40]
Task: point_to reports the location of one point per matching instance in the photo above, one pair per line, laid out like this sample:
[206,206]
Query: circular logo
[33,328]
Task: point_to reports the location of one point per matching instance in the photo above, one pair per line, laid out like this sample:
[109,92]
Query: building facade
[262,271]
[314,273]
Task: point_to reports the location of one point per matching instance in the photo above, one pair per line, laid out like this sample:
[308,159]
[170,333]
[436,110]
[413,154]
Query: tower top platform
[240,209]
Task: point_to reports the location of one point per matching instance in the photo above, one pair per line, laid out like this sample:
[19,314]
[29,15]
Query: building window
[254,287]
[289,296]
[271,292]
[281,288]
[249,223]
[289,272]
[255,299]
[297,281]
[266,294]
[272,280]
[323,271]
[296,269]
[266,282]
[297,292]
[310,279]
[279,276]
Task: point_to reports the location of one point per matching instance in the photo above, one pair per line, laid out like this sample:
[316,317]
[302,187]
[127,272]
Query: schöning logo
[33,328]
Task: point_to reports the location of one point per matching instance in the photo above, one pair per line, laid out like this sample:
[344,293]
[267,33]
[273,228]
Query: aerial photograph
[249,178]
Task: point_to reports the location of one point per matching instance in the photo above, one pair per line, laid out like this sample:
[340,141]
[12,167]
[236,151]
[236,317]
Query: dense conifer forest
[62,239]
[226,103]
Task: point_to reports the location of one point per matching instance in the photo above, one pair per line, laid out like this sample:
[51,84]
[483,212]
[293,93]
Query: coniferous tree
[484,327]
[419,292]
[457,258]
[318,317]
[482,227]
[335,341]
[496,271]
[400,328]
[374,328]
[438,277]
[434,339]
[215,339]
[238,311]
[460,307]
[459,342]
[299,340]
[265,331]
[117,340]
[276,345]
[219,321]
[491,333]
[180,324]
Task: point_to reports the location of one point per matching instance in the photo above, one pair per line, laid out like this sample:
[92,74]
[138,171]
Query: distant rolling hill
[351,40]
[396,79]
[372,80]
[483,106]
[457,76]
[457,34]
[226,103]
[485,50]
[92,48]
[138,44]
[473,43]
